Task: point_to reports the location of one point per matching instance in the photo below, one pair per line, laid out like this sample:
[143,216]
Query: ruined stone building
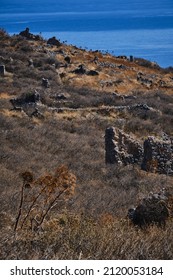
[121,148]
[154,155]
[158,156]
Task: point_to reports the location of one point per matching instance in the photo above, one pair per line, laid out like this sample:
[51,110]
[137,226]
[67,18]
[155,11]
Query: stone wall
[155,155]
[121,148]
[158,156]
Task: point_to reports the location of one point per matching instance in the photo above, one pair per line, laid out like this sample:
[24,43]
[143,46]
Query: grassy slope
[92,224]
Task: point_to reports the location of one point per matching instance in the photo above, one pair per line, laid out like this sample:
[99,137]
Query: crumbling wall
[121,148]
[155,155]
[158,156]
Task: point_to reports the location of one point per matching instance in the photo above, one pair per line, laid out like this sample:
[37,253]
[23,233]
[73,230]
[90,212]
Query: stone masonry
[158,156]
[121,148]
[155,155]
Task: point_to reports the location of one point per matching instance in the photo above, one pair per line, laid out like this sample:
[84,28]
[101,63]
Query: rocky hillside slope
[56,102]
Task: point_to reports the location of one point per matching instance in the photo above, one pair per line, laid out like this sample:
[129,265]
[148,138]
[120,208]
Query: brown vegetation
[74,112]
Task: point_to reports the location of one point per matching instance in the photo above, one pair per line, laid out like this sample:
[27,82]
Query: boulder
[151,210]
[2,70]
[80,70]
[53,41]
[92,73]
[67,59]
[29,35]
[45,83]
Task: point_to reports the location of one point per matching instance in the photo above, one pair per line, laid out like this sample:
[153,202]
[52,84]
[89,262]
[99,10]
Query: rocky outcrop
[53,41]
[29,35]
[155,155]
[121,148]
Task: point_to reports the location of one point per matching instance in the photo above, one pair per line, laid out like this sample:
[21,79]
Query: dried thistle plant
[37,201]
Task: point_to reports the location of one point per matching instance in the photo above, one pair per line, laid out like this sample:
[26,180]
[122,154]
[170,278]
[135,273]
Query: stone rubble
[152,209]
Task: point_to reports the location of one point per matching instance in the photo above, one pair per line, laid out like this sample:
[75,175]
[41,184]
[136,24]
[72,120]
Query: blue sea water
[121,27]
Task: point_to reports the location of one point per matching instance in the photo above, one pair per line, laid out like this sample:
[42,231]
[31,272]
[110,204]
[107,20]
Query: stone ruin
[30,98]
[121,148]
[27,103]
[158,155]
[154,155]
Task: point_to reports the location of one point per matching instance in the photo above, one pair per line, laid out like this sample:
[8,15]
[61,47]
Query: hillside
[56,102]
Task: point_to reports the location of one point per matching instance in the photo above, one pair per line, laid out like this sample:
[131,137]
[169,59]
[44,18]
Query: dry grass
[69,236]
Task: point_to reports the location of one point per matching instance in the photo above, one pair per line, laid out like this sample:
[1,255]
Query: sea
[142,28]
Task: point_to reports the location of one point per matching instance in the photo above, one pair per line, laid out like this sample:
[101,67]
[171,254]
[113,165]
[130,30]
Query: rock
[36,113]
[31,98]
[122,56]
[2,70]
[80,70]
[45,83]
[53,41]
[61,97]
[145,80]
[118,96]
[92,73]
[67,59]
[143,111]
[151,210]
[131,58]
[29,35]
[130,97]
[30,62]
[121,66]
[25,33]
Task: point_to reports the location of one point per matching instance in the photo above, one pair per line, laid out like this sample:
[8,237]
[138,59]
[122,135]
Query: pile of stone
[25,99]
[53,41]
[153,209]
[81,69]
[27,103]
[26,33]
